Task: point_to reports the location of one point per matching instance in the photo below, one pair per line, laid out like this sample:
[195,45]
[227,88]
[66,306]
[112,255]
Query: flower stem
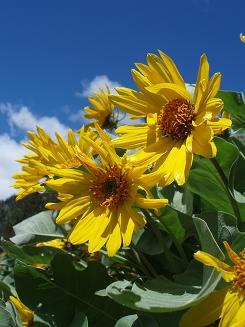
[143,261]
[228,190]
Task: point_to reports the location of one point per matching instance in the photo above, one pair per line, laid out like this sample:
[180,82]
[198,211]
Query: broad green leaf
[149,244]
[171,222]
[6,319]
[180,198]
[205,180]
[38,228]
[127,321]
[224,228]
[71,289]
[79,320]
[30,254]
[137,321]
[164,295]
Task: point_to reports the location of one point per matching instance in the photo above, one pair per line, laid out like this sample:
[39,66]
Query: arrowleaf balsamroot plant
[144,211]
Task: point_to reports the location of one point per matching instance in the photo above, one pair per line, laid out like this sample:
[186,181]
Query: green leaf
[205,181]
[38,228]
[149,244]
[137,321]
[71,288]
[7,316]
[127,321]
[30,254]
[224,228]
[6,319]
[180,198]
[234,104]
[171,222]
[79,320]
[164,295]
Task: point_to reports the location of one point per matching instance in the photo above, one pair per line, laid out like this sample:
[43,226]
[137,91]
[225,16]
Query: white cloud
[89,87]
[22,118]
[11,151]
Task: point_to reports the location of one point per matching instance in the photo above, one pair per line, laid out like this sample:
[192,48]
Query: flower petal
[219,125]
[202,144]
[170,91]
[209,260]
[205,312]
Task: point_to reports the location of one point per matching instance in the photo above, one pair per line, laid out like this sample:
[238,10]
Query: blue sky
[49,47]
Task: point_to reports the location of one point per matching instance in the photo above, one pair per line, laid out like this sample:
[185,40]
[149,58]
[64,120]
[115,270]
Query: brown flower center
[110,188]
[239,270]
[175,119]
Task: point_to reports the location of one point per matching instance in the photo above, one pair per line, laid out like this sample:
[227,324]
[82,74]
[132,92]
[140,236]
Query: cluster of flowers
[100,192]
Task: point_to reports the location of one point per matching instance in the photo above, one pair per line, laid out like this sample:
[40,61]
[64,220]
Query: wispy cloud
[21,117]
[89,87]
[10,150]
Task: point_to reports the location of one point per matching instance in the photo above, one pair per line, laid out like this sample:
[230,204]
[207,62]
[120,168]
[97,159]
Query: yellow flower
[178,124]
[227,304]
[242,37]
[26,315]
[47,152]
[56,243]
[101,199]
[101,109]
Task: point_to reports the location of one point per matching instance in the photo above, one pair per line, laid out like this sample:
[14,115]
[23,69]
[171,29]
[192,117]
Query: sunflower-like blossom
[26,315]
[227,304]
[44,150]
[178,124]
[242,38]
[102,110]
[100,198]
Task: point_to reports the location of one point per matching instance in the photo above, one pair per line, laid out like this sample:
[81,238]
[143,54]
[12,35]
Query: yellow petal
[242,38]
[127,225]
[202,141]
[153,152]
[73,209]
[205,312]
[26,315]
[209,260]
[170,91]
[85,227]
[239,318]
[203,75]
[114,241]
[99,237]
[150,203]
[219,125]
[172,69]
[231,307]
[232,254]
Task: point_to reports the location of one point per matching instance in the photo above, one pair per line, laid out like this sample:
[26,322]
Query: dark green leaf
[71,289]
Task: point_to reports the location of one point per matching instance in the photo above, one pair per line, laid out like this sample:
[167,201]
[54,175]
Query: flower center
[175,119]
[110,122]
[110,188]
[239,270]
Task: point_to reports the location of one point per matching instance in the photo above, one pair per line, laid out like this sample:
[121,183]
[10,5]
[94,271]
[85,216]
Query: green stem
[177,244]
[158,234]
[228,191]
